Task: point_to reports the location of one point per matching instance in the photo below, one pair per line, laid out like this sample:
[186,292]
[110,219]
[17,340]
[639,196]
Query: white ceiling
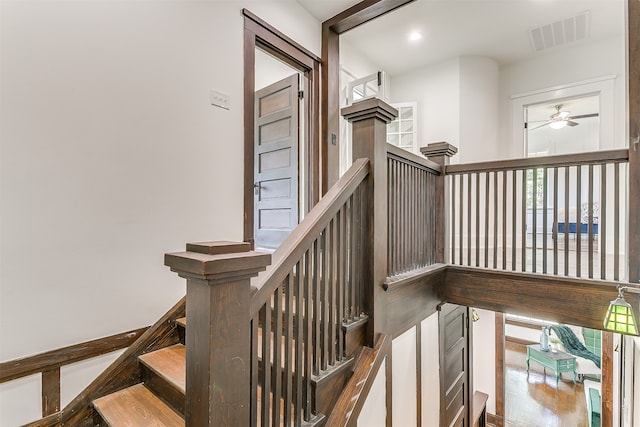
[499,29]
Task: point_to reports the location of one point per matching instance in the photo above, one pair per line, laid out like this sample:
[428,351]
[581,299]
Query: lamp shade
[620,317]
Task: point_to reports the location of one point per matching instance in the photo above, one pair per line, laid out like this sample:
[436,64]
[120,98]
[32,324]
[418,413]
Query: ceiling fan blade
[583,116]
[572,124]
[539,126]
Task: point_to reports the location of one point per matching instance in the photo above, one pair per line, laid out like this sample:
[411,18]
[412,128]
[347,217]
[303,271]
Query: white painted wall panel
[404,384]
[430,369]
[374,410]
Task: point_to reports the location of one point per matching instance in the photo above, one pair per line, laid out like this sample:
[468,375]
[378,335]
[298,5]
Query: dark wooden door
[454,366]
[276,162]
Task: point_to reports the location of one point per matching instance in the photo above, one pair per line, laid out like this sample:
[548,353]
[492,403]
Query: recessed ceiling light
[415,36]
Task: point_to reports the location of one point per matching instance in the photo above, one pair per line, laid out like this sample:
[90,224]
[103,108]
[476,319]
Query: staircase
[159,399]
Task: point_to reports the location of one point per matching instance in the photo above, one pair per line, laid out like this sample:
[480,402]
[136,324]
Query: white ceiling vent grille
[562,32]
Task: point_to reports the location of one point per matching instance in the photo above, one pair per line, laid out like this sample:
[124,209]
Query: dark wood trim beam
[279,34]
[607,378]
[330,108]
[596,157]
[363,12]
[561,299]
[634,132]
[50,360]
[249,111]
[330,128]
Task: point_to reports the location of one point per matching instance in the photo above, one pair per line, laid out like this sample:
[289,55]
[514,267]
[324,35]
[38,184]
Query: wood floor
[533,400]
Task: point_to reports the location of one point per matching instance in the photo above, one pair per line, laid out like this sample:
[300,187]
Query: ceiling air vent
[561,32]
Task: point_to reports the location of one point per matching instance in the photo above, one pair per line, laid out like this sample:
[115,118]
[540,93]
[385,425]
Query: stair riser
[173,397]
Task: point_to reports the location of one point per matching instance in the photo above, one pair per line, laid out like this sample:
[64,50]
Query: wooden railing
[556,215]
[349,405]
[314,286]
[411,186]
[49,363]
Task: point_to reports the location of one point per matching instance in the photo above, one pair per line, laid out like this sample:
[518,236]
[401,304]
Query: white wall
[430,370]
[404,384]
[484,356]
[561,68]
[457,103]
[436,89]
[111,156]
[479,84]
[374,410]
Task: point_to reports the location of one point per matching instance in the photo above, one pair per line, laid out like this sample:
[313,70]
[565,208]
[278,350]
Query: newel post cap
[215,261]
[439,149]
[369,108]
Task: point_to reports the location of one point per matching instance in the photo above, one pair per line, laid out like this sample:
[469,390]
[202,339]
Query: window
[402,131]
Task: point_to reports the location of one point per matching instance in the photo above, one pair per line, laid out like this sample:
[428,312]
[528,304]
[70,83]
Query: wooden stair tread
[136,406]
[169,363]
[182,322]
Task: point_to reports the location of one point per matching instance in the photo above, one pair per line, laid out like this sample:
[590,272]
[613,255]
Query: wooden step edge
[182,322]
[338,369]
[318,420]
[136,406]
[169,364]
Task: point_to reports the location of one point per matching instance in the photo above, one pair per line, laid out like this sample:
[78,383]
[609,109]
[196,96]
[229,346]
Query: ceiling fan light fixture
[558,124]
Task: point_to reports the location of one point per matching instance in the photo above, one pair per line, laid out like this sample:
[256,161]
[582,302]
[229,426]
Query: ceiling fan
[560,119]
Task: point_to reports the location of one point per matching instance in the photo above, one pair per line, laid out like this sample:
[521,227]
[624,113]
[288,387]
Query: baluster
[469,219]
[453,218]
[289,349]
[299,332]
[578,221]
[504,220]
[566,220]
[590,223]
[545,224]
[523,196]
[265,399]
[277,356]
[495,219]
[316,302]
[534,219]
[602,221]
[514,215]
[477,219]
[461,219]
[340,282]
[308,334]
[486,218]
[616,221]
[555,221]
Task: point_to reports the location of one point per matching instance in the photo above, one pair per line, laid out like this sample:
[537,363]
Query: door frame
[257,33]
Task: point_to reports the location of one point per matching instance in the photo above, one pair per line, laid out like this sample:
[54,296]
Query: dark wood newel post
[440,153]
[218,335]
[369,120]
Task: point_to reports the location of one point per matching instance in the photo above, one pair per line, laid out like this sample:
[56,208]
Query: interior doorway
[281,133]
[277,167]
[527,394]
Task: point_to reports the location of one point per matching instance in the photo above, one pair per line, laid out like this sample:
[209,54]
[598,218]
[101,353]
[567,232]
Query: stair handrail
[352,399]
[294,246]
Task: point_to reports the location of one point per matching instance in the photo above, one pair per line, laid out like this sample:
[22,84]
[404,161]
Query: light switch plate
[219,99]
